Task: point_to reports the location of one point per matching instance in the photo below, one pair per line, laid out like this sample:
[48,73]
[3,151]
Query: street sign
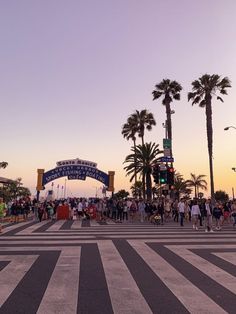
[167,152]
[162,167]
[166,143]
[167,159]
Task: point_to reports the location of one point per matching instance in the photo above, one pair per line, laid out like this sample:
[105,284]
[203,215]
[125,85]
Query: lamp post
[234,169]
[229,127]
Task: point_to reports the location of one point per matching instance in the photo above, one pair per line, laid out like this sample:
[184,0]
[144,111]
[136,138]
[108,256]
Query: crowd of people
[158,211]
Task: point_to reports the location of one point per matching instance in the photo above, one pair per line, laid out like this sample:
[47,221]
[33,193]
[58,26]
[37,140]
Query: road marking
[191,297]
[32,228]
[227,256]
[219,275]
[62,292]
[12,274]
[125,295]
[56,226]
[77,224]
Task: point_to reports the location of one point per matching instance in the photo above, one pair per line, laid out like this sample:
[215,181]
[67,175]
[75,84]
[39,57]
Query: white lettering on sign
[75,162]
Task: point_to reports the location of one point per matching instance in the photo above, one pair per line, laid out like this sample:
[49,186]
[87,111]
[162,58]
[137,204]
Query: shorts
[226,215]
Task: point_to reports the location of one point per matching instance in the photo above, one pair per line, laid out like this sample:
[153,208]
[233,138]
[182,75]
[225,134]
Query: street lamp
[229,127]
[234,169]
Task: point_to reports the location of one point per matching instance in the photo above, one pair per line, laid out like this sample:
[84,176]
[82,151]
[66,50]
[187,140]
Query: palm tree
[142,120]
[169,90]
[203,90]
[197,182]
[3,164]
[147,157]
[180,186]
[136,189]
[129,130]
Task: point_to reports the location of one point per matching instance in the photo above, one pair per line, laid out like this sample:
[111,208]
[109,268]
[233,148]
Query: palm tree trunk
[143,179]
[149,186]
[195,189]
[144,186]
[135,169]
[168,120]
[210,141]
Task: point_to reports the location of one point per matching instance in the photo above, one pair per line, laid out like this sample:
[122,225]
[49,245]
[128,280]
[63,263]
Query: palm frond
[219,98]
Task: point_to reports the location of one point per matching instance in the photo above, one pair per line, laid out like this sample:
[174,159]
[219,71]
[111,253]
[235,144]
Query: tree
[142,120]
[136,189]
[13,190]
[221,196]
[169,90]
[147,157]
[197,182]
[180,187]
[129,130]
[3,164]
[136,124]
[121,194]
[203,90]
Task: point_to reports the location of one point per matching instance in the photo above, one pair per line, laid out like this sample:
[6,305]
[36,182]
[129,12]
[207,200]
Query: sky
[71,72]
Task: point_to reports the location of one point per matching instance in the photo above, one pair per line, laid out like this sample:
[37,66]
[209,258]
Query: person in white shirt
[195,213]
[208,216]
[181,207]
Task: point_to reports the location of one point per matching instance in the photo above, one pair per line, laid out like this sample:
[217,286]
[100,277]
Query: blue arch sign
[75,172]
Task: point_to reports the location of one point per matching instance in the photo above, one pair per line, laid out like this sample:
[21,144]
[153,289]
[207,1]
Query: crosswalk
[76,267]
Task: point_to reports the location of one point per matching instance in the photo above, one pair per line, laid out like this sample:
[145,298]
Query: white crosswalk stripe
[126,295]
[62,291]
[13,273]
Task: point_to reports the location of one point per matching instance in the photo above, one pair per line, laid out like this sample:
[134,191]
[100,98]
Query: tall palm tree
[3,164]
[147,157]
[142,120]
[139,121]
[197,182]
[169,90]
[129,130]
[203,90]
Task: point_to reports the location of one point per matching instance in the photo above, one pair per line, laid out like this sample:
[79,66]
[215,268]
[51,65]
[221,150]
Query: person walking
[141,210]
[233,213]
[41,212]
[195,214]
[181,208]
[218,214]
[208,216]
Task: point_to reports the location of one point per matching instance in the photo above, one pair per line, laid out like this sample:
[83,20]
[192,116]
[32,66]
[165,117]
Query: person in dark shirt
[218,214]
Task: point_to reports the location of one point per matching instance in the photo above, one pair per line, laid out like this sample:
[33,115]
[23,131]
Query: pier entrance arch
[75,169]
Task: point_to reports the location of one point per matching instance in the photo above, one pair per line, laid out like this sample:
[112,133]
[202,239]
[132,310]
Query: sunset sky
[71,72]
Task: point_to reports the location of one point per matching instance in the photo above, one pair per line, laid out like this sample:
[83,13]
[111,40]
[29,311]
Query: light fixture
[228,127]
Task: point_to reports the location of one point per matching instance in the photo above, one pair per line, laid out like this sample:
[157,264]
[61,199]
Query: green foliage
[141,162]
[14,190]
[197,182]
[221,196]
[137,188]
[145,156]
[121,194]
[141,120]
[3,164]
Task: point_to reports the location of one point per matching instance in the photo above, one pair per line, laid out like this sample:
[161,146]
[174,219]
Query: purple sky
[72,71]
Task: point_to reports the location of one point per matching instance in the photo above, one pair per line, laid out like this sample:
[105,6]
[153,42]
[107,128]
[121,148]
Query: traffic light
[156,173]
[163,176]
[170,175]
